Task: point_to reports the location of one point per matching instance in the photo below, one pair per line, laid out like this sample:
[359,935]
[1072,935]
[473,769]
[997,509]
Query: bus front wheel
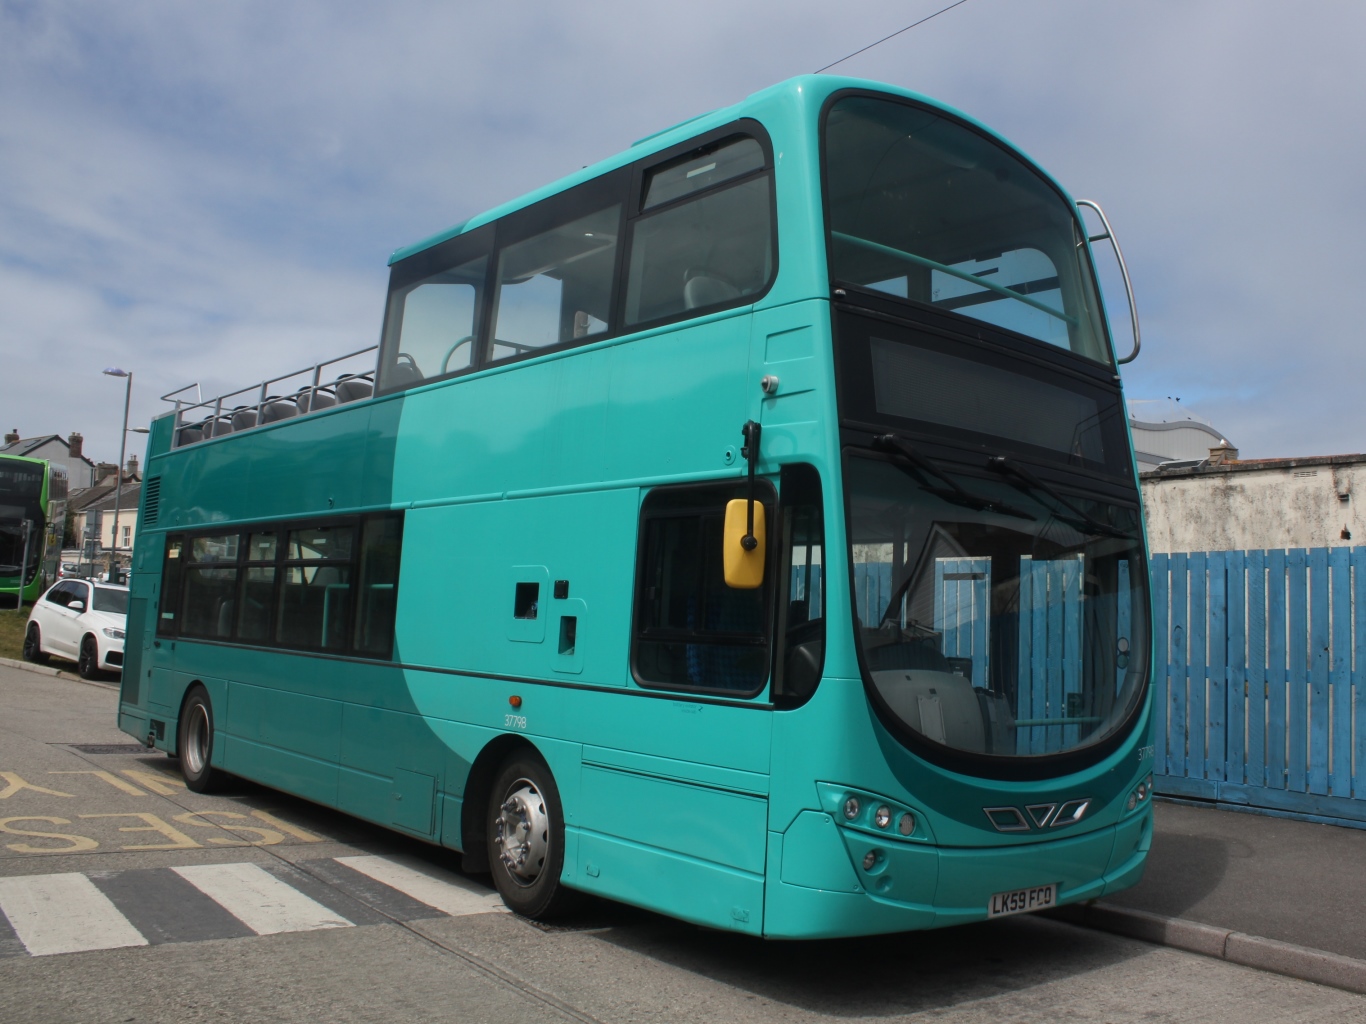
[194,742]
[525,830]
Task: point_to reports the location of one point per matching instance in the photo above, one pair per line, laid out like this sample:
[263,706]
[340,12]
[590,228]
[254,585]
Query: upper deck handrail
[219,415]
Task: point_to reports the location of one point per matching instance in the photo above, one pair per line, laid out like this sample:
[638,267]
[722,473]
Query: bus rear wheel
[525,830]
[194,742]
[33,645]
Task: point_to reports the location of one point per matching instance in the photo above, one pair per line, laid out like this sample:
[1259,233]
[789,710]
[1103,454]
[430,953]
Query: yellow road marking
[16,784]
[77,842]
[179,840]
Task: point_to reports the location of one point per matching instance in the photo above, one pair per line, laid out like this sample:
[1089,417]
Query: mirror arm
[750,452]
[1109,233]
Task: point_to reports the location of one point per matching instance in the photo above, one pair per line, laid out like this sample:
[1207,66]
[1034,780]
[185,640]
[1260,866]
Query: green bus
[745,528]
[32,517]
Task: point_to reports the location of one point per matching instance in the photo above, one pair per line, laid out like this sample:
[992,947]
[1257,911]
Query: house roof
[100,498]
[28,444]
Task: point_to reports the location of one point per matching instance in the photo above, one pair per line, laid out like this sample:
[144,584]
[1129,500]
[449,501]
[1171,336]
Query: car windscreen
[107,599]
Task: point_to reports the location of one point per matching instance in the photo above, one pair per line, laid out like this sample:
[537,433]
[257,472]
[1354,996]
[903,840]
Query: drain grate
[108,748]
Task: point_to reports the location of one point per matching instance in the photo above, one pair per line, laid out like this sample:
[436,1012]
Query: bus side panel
[392,765]
[678,401]
[682,887]
[462,567]
[290,737]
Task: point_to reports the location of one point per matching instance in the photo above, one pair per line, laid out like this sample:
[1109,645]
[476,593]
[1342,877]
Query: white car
[82,621]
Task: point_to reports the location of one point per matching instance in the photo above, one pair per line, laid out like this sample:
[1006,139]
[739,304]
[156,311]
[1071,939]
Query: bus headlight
[851,808]
[883,817]
[112,633]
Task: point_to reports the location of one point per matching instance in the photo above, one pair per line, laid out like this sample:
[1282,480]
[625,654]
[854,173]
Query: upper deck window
[924,208]
[556,286]
[433,317]
[696,172]
[705,237]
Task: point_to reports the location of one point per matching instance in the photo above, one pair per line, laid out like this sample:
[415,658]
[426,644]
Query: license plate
[1021,901]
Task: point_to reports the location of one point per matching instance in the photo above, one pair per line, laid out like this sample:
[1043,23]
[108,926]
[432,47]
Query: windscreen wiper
[1005,467]
[953,491]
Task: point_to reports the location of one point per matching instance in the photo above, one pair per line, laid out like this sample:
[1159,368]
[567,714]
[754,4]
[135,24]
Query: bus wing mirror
[744,566]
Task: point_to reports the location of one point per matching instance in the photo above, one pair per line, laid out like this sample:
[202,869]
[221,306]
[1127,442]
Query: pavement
[1265,892]
[1270,893]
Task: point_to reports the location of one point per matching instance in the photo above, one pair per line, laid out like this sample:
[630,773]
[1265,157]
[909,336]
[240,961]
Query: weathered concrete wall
[1292,503]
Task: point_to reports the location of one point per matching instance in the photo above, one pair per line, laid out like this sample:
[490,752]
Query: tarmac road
[124,897]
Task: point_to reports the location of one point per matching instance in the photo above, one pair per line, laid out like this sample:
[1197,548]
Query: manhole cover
[108,748]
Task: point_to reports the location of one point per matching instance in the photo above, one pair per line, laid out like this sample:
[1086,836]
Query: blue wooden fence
[1260,681]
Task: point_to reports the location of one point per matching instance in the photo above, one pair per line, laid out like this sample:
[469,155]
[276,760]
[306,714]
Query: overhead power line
[893,35]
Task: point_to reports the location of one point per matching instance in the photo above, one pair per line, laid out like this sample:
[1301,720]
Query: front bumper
[824,892]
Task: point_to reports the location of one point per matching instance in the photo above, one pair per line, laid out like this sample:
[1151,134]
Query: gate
[1258,681]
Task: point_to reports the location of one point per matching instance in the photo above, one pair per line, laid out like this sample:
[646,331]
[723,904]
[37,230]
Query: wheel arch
[478,785]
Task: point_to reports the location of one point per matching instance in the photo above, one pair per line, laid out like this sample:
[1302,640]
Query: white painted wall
[1302,503]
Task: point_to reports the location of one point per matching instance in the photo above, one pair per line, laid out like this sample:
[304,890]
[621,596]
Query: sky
[210,192]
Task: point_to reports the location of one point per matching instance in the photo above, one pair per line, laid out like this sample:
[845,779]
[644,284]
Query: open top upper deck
[690,222]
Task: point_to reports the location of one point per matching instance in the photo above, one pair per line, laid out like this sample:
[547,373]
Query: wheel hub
[522,832]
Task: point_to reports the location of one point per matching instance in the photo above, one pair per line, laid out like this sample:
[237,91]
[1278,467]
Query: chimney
[12,436]
[132,469]
[76,443]
[1223,454]
[104,470]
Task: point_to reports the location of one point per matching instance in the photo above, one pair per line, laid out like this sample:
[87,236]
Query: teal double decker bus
[744,528]
[33,496]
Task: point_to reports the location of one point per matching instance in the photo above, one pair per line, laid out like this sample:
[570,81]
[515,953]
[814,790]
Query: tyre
[88,664]
[525,830]
[33,645]
[194,742]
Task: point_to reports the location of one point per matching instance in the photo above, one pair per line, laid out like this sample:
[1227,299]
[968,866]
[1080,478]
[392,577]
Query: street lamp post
[114,371]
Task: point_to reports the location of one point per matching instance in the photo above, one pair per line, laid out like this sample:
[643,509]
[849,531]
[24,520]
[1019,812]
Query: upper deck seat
[351,388]
[218,427]
[310,400]
[703,289]
[191,433]
[277,409]
[243,418]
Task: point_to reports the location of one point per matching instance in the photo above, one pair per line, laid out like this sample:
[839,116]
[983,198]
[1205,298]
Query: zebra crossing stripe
[259,900]
[64,914]
[415,879]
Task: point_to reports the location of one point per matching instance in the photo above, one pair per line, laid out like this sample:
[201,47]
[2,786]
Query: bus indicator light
[515,701]
[906,825]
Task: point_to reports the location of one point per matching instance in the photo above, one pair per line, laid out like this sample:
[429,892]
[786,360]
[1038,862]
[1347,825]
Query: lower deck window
[328,586]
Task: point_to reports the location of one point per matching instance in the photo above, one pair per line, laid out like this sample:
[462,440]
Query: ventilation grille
[151,500]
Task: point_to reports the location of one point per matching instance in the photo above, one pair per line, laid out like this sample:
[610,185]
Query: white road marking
[424,884]
[64,914]
[259,900]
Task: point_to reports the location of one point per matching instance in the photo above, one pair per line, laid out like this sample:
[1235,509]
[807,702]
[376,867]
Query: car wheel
[194,742]
[525,830]
[88,664]
[33,645]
